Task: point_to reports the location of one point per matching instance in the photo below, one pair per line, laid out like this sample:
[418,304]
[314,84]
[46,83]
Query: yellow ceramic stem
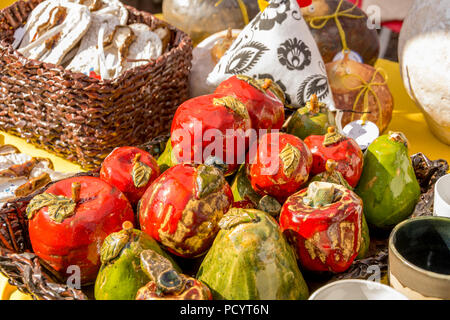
[315,23]
[366,89]
[242,7]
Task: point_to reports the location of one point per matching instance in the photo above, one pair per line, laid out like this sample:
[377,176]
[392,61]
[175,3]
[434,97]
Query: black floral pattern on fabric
[294,54]
[276,12]
[278,45]
[245,58]
[315,84]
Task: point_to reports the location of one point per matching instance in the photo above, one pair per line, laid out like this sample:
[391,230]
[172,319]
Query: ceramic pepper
[324,222]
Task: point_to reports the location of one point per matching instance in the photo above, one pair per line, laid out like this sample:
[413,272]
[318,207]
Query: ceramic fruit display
[183,207]
[281,165]
[251,260]
[312,119]
[70,220]
[166,282]
[344,151]
[388,185]
[324,223]
[201,18]
[131,170]
[264,106]
[361,91]
[355,26]
[120,276]
[200,124]
[423,51]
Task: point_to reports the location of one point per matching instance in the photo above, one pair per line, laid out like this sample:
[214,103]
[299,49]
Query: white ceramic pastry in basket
[53,29]
[86,59]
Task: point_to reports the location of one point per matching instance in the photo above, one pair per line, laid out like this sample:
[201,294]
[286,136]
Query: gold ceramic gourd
[202,18]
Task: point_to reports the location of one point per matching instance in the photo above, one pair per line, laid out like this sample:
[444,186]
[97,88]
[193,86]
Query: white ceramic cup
[442,197]
[355,289]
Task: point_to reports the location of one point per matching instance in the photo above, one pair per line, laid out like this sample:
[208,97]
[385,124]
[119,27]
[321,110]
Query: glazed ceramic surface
[251,260]
[423,51]
[388,185]
[120,276]
[356,290]
[442,197]
[419,258]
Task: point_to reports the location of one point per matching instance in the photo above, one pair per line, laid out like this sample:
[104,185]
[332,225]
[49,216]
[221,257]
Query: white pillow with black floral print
[277,44]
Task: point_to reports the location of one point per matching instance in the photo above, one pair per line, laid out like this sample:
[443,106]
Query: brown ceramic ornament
[361,91]
[323,17]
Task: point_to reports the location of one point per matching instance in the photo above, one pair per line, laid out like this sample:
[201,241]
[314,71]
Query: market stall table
[407,118]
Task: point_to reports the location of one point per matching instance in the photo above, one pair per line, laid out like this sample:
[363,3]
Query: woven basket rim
[180,36]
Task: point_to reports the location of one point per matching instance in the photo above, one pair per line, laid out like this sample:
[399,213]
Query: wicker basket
[83,119]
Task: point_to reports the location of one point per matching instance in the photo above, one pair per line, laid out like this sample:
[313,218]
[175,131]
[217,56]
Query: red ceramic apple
[343,150]
[131,170]
[266,110]
[183,207]
[280,166]
[70,220]
[213,125]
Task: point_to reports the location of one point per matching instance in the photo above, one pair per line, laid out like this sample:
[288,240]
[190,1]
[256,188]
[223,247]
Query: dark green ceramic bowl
[419,258]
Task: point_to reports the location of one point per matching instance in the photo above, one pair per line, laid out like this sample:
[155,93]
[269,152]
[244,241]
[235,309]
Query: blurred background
[153,6]
[392,14]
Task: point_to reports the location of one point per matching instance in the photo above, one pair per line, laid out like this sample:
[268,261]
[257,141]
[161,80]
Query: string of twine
[320,21]
[366,88]
[243,8]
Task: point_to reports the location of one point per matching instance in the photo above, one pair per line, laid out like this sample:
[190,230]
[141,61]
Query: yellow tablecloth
[408,118]
[5,3]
